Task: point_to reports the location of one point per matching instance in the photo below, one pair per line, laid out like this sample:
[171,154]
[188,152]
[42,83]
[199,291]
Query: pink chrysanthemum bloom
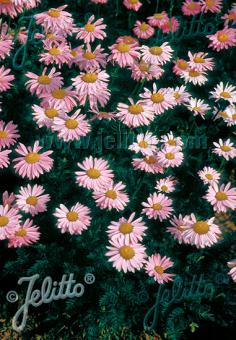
[65,97]
[56,20]
[132,4]
[8,199]
[31,163]
[28,4]
[180,95]
[230,119]
[56,53]
[8,134]
[74,220]
[213,6]
[157,206]
[25,235]
[4,158]
[221,197]
[170,141]
[9,218]
[22,36]
[5,79]
[148,164]
[200,62]
[135,114]
[143,30]
[225,149]
[128,39]
[6,41]
[219,114]
[198,107]
[191,7]
[179,224]
[146,144]
[94,173]
[31,199]
[201,233]
[71,128]
[92,30]
[124,54]
[156,266]
[100,115]
[232,265]
[126,256]
[230,16]
[141,70]
[172,25]
[158,100]
[44,83]
[129,229]
[157,55]
[89,59]
[195,77]
[209,175]
[111,196]
[180,66]
[8,7]
[223,39]
[166,185]
[158,19]
[226,92]
[170,157]
[44,116]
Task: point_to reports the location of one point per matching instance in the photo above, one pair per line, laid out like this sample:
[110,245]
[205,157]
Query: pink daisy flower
[190,7]
[127,39]
[180,65]
[6,41]
[8,7]
[201,233]
[141,70]
[209,175]
[56,53]
[124,54]
[65,97]
[230,16]
[132,4]
[92,30]
[89,59]
[230,119]
[148,164]
[232,265]
[226,92]
[225,149]
[146,144]
[25,235]
[179,224]
[9,218]
[8,199]
[143,30]
[31,199]
[156,266]
[223,39]
[195,77]
[170,157]
[166,185]
[200,62]
[157,206]
[221,197]
[158,55]
[158,100]
[4,158]
[213,6]
[111,196]
[132,230]
[44,83]
[71,128]
[8,134]
[198,107]
[5,79]
[31,163]
[170,141]
[158,19]
[95,173]
[126,256]
[74,220]
[180,95]
[44,116]
[172,25]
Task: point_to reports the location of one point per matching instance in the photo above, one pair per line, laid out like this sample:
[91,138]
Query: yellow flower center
[74,53]
[210,3]
[182,64]
[44,80]
[32,158]
[170,155]
[196,108]
[93,173]
[128,40]
[135,109]
[157,98]
[144,27]
[156,50]
[72,216]
[159,270]
[126,228]
[50,36]
[123,48]
[89,27]
[127,252]
[59,93]
[89,77]
[177,95]
[54,51]
[199,60]
[150,160]
[32,200]
[143,144]
[226,148]
[111,194]
[144,67]
[222,114]
[21,232]
[234,116]
[201,227]
[209,176]
[89,55]
[194,73]
[157,206]
[71,124]
[3,134]
[223,37]
[159,16]
[54,13]
[133,2]
[3,221]
[51,113]
[221,196]
[191,5]
[171,142]
[225,94]
[164,187]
